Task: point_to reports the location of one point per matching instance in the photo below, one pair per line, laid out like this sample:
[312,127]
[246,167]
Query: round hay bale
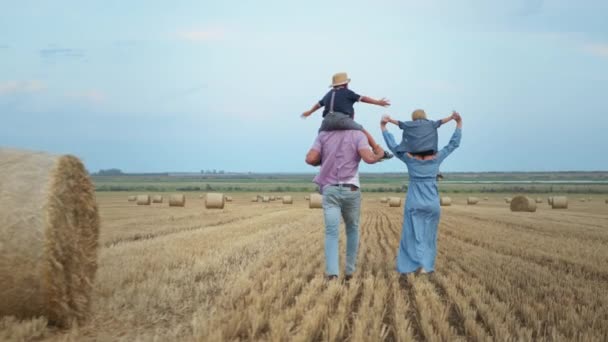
[215,201]
[507,199]
[486,199]
[307,198]
[315,202]
[383,199]
[132,198]
[177,200]
[254,199]
[157,199]
[581,200]
[273,198]
[287,200]
[143,200]
[49,230]
[589,199]
[279,198]
[228,198]
[445,201]
[550,200]
[201,196]
[265,199]
[394,202]
[523,203]
[472,200]
[559,202]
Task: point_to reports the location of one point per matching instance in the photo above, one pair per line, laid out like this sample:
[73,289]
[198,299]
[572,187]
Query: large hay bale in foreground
[215,201]
[143,200]
[157,199]
[315,202]
[445,201]
[287,200]
[383,199]
[394,202]
[523,203]
[177,200]
[559,202]
[472,200]
[49,230]
[132,198]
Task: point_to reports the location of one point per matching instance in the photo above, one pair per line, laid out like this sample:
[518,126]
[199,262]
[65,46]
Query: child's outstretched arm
[449,118]
[310,111]
[388,118]
[382,102]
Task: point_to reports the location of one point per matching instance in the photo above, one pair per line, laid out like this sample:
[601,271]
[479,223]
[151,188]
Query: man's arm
[313,157]
[369,156]
[382,102]
[310,111]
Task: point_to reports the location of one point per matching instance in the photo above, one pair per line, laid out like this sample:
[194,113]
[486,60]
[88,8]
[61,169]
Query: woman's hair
[418,114]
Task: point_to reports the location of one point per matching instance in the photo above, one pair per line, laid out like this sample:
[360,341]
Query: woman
[418,246]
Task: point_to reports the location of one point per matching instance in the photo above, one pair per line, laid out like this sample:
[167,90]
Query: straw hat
[418,114]
[339,79]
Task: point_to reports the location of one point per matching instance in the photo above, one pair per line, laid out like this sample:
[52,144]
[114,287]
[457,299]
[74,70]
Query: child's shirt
[340,100]
[419,136]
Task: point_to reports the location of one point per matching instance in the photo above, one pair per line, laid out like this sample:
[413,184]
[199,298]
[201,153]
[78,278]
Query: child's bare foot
[387,155]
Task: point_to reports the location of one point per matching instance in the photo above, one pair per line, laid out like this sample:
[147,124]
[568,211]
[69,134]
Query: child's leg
[339,122]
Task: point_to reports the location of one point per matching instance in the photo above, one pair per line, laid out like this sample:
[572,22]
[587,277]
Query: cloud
[204,35]
[57,52]
[89,96]
[21,87]
[599,50]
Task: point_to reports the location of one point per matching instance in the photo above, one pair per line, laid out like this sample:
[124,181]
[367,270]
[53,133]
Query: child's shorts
[337,121]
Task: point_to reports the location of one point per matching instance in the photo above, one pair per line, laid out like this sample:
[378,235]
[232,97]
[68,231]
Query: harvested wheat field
[254,271]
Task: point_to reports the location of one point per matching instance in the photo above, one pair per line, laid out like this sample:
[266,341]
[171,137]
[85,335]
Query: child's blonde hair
[418,114]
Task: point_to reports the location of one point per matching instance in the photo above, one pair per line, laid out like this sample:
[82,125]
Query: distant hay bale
[523,203]
[581,200]
[606,201]
[589,199]
[265,199]
[472,200]
[307,198]
[49,230]
[485,199]
[550,200]
[132,198]
[287,200]
[201,196]
[228,198]
[273,198]
[445,201]
[539,200]
[315,202]
[559,202]
[215,201]
[507,199]
[143,200]
[394,202]
[279,198]
[383,199]
[254,199]
[177,200]
[157,199]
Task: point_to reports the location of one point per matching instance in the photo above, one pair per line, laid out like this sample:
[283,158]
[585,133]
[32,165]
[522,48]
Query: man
[338,180]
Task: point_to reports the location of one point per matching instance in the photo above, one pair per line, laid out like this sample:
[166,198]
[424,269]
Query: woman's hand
[458,119]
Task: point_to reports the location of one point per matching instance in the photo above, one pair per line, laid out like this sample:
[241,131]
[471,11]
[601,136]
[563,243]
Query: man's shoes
[348,277]
[331,277]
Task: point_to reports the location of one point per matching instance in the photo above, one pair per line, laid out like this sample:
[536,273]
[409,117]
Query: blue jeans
[341,201]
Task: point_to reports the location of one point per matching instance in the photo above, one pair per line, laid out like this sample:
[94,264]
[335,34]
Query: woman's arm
[454,141]
[390,140]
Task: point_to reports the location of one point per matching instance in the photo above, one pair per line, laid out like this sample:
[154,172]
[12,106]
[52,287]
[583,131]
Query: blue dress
[418,246]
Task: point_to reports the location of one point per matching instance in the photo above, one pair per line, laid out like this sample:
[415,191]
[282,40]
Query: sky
[150,86]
